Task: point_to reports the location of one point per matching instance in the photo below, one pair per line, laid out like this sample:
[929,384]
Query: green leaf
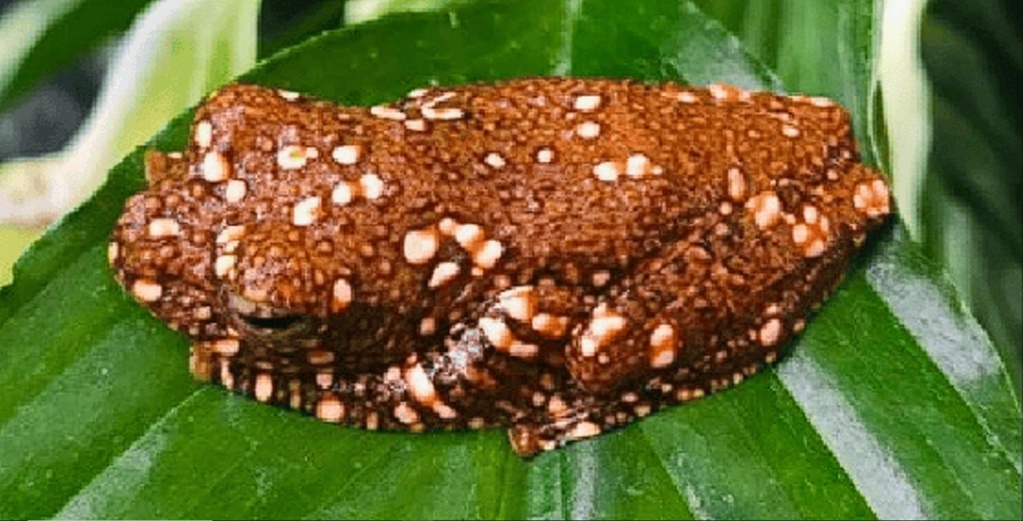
[892,404]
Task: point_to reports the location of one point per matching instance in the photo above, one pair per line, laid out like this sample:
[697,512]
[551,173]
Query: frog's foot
[530,322]
[568,419]
[530,439]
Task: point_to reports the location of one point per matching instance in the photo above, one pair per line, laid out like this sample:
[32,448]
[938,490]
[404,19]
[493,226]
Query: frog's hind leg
[705,314]
[701,317]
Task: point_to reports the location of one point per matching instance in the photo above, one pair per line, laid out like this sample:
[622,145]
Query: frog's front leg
[460,381]
[525,330]
[312,379]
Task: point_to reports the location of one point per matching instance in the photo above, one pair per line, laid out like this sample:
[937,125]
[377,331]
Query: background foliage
[973,219]
[893,404]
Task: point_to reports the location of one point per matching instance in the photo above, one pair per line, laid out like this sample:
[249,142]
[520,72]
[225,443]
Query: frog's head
[174,251]
[278,281]
[160,247]
[276,228]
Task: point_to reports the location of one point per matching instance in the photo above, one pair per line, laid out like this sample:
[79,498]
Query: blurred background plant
[82,82]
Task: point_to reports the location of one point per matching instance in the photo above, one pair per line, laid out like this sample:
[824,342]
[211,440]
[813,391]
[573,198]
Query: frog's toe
[529,439]
[525,440]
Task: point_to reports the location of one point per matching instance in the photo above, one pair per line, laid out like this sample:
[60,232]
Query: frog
[555,256]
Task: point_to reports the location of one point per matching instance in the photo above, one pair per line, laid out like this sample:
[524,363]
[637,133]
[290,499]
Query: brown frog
[558,256]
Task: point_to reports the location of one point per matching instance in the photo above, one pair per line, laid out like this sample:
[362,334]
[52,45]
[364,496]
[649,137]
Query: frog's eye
[279,327]
[263,319]
[276,323]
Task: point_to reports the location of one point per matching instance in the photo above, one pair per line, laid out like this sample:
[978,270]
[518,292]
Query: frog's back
[611,171]
[561,177]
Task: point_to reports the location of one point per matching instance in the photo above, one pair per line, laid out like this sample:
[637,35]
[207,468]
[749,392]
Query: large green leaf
[893,403]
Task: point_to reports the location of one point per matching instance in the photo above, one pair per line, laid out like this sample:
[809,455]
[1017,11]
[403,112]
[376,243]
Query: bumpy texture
[559,256]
